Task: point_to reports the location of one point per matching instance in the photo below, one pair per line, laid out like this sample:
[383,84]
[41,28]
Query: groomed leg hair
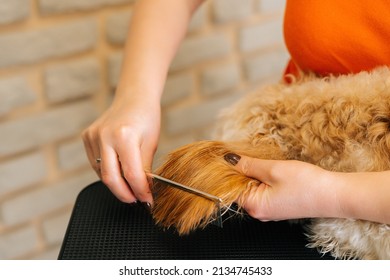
[201,165]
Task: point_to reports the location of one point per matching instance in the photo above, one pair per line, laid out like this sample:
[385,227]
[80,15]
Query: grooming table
[102,227]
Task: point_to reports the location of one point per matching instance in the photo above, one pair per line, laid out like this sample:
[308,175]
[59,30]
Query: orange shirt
[337,36]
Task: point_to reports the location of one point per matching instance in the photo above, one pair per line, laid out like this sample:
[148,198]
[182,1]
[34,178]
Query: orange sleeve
[337,37]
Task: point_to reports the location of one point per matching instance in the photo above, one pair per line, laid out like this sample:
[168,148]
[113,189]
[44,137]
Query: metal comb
[218,219]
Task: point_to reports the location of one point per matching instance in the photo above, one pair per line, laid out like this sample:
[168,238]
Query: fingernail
[231,158]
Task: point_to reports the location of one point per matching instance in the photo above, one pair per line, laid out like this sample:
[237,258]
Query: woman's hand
[293,189]
[125,138]
[289,189]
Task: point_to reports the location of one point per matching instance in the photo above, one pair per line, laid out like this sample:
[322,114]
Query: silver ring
[98,160]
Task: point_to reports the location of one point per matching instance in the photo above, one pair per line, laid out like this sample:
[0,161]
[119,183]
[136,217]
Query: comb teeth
[218,219]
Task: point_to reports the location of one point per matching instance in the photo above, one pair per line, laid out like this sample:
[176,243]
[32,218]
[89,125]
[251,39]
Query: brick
[48,254]
[13,11]
[177,88]
[55,6]
[59,40]
[165,146]
[198,49]
[15,92]
[216,79]
[117,27]
[71,155]
[273,6]
[114,68]
[208,133]
[54,228]
[17,243]
[261,35]
[266,66]
[193,117]
[34,131]
[35,203]
[72,80]
[231,10]
[32,166]
[118,24]
[198,19]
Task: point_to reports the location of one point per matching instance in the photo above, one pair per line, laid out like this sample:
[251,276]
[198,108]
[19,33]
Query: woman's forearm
[364,195]
[155,33]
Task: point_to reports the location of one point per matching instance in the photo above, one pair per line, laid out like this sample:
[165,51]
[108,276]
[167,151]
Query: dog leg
[201,165]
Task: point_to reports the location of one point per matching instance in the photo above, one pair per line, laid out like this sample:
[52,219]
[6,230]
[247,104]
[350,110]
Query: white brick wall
[24,134]
[55,41]
[202,48]
[72,80]
[55,6]
[59,65]
[15,92]
[17,243]
[51,253]
[114,68]
[270,6]
[193,117]
[177,87]
[117,25]
[218,79]
[54,228]
[41,201]
[33,167]
[71,155]
[198,20]
[13,10]
[261,35]
[265,66]
[230,10]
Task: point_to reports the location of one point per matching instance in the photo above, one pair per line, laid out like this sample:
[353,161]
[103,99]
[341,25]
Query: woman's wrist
[342,195]
[155,33]
[137,96]
[328,196]
[362,195]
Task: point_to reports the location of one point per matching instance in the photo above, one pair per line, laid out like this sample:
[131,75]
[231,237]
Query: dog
[338,123]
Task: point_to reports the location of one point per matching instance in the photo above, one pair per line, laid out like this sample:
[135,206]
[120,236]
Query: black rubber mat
[101,227]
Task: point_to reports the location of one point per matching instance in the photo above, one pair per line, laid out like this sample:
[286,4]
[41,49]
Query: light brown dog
[340,124]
